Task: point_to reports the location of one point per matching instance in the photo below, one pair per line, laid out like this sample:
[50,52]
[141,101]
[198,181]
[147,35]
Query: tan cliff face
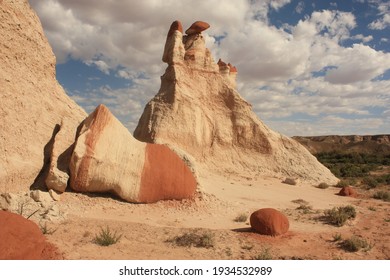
[199,111]
[33,104]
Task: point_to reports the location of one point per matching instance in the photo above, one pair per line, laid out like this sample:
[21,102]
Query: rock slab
[107,158]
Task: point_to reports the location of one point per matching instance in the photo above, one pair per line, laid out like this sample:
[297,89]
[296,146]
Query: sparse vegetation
[241,218]
[338,216]
[337,237]
[355,244]
[265,254]
[247,247]
[323,186]
[106,237]
[300,201]
[306,209]
[195,239]
[45,229]
[372,208]
[383,195]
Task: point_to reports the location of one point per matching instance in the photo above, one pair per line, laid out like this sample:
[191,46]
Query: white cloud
[300,7]
[361,37]
[383,10]
[284,72]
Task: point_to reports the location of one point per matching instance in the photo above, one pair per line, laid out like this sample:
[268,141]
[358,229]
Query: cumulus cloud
[383,11]
[295,76]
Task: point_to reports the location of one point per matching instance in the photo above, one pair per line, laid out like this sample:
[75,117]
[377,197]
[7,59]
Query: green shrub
[342,184]
[265,254]
[338,216]
[241,218]
[383,195]
[106,237]
[337,237]
[355,244]
[323,186]
[205,239]
[370,182]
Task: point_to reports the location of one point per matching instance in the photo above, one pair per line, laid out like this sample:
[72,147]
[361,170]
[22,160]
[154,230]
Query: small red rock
[269,221]
[176,25]
[21,239]
[348,191]
[197,27]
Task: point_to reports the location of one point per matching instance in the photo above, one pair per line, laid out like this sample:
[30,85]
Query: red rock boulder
[21,239]
[197,27]
[176,25]
[348,191]
[269,221]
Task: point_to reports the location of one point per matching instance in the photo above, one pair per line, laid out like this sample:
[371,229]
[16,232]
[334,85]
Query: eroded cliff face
[198,110]
[33,104]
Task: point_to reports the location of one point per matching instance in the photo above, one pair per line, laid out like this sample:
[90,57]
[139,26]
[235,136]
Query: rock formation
[33,104]
[199,111]
[348,191]
[269,221]
[107,158]
[22,239]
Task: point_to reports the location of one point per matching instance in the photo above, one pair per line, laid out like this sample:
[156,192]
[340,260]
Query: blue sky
[307,67]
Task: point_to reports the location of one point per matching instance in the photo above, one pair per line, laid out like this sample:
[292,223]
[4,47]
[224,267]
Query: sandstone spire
[199,111]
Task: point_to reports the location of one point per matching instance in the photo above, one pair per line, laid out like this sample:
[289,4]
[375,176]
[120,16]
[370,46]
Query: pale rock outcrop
[107,158]
[199,110]
[33,104]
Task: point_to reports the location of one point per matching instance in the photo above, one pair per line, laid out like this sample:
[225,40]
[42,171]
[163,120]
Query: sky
[307,67]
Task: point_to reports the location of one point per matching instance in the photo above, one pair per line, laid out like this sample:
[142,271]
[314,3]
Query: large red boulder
[269,221]
[21,239]
[348,191]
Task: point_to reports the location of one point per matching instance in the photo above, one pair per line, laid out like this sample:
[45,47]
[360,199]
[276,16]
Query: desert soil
[147,228]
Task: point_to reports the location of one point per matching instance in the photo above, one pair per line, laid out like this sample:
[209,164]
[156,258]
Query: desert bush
[323,186]
[355,244]
[306,209]
[383,195]
[45,229]
[342,184]
[241,218]
[370,182]
[337,237]
[265,254]
[196,239]
[338,216]
[106,237]
[300,201]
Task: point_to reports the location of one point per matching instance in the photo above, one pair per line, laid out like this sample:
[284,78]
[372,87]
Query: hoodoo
[199,111]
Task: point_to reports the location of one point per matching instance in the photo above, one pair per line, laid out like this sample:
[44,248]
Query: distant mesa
[197,27]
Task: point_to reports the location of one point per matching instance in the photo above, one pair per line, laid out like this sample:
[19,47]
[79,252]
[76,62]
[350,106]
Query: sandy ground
[147,229]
